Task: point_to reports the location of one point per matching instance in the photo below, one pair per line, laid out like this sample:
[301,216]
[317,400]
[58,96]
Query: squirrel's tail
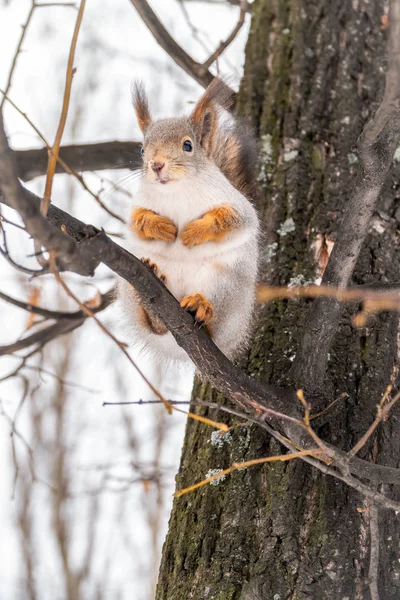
[235,153]
[228,141]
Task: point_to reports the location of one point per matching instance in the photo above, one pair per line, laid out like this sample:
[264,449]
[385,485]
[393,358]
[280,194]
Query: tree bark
[314,74]
[80,157]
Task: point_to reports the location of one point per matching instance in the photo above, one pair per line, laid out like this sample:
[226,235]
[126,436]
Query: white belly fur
[224,272]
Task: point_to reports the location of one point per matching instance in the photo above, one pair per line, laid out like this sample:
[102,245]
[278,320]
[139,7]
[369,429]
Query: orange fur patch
[200,307]
[150,322]
[148,225]
[212,227]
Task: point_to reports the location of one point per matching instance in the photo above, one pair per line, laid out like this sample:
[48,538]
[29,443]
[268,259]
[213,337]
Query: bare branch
[79,258]
[223,45]
[60,162]
[377,145]
[6,254]
[196,70]
[346,478]
[249,7]
[84,157]
[42,337]
[373,300]
[25,27]
[206,356]
[106,300]
[53,154]
[382,413]
[65,323]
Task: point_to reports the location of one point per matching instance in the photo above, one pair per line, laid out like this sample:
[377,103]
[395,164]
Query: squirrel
[193,224]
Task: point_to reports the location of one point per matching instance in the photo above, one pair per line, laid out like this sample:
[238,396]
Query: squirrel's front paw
[195,233]
[201,308]
[212,227]
[148,225]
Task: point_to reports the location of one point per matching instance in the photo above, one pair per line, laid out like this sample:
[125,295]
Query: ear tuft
[141,106]
[204,117]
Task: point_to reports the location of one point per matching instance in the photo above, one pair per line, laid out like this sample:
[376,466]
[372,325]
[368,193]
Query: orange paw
[154,267]
[212,227]
[148,225]
[202,309]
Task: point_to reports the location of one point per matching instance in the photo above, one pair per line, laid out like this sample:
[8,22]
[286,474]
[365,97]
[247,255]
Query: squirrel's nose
[157,166]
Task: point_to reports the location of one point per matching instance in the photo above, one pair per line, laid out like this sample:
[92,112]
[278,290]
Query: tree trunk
[314,75]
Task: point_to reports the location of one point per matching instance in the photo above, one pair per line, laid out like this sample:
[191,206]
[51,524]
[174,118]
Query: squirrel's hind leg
[149,320]
[154,267]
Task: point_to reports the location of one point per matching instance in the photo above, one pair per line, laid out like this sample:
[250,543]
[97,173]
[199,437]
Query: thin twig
[353,482]
[65,323]
[196,70]
[373,300]
[382,412]
[223,45]
[105,300]
[245,465]
[328,408]
[226,377]
[24,29]
[122,347]
[64,112]
[71,255]
[66,168]
[6,254]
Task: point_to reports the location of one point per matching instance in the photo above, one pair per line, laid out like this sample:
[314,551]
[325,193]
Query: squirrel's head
[177,148]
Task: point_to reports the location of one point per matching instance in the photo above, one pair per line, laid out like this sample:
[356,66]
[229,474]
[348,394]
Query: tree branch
[78,257]
[42,337]
[207,357]
[196,70]
[106,300]
[249,7]
[377,145]
[24,29]
[54,150]
[80,157]
[223,45]
[65,323]
[87,246]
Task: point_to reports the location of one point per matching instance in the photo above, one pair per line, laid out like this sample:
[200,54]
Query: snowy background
[86,490]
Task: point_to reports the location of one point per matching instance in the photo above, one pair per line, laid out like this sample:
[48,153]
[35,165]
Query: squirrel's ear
[204,117]
[141,106]
[204,120]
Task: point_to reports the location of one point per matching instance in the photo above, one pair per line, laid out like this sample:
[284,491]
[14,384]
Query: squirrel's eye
[142,151]
[187,146]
